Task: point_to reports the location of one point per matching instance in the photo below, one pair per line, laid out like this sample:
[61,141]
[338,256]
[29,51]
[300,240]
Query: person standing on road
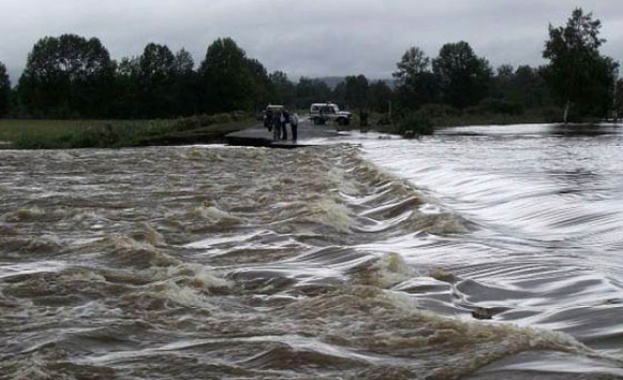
[294,124]
[277,125]
[285,121]
[268,119]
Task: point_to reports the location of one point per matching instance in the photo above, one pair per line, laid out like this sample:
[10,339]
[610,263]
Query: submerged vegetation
[71,77]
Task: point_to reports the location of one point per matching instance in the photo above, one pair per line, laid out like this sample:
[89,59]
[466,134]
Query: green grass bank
[67,134]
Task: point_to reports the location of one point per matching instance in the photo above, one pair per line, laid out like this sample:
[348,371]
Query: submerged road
[258,135]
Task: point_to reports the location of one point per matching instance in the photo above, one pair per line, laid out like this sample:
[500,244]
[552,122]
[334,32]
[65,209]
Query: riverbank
[236,128]
[67,134]
[432,117]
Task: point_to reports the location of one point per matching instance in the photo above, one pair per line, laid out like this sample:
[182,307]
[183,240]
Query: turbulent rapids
[247,263]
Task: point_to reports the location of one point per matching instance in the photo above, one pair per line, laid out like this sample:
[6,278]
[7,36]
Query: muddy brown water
[326,262]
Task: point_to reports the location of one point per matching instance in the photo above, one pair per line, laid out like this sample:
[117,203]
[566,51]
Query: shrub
[187,123]
[239,115]
[436,111]
[415,124]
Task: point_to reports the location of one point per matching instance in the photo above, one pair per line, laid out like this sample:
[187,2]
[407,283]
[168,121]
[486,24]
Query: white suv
[320,113]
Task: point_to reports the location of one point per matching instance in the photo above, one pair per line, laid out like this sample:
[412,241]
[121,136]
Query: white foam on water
[10,270]
[198,275]
[386,270]
[214,215]
[328,212]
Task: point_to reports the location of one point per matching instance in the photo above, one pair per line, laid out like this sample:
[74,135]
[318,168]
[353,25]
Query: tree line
[74,77]
[578,78]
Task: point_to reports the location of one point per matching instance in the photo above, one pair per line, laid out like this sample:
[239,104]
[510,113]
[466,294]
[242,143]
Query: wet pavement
[259,136]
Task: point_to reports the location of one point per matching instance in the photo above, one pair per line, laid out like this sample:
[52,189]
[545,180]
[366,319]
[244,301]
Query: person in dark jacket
[268,119]
[285,121]
[294,124]
[277,125]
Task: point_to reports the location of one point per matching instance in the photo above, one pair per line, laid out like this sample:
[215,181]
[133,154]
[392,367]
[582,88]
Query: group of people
[278,120]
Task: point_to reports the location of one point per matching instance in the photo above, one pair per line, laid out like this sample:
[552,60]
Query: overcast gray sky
[305,37]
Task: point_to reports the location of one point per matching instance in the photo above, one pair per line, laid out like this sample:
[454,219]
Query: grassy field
[11,129]
[64,134]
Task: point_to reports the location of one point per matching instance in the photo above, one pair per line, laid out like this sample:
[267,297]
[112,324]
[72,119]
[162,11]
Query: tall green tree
[503,93]
[5,91]
[156,76]
[416,83]
[414,62]
[502,81]
[283,89]
[156,84]
[578,74]
[464,77]
[226,77]
[529,88]
[617,108]
[67,76]
[310,91]
[261,88]
[338,94]
[356,91]
[126,102]
[380,96]
[185,87]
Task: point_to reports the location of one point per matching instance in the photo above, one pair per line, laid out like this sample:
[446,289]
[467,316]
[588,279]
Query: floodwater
[480,253]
